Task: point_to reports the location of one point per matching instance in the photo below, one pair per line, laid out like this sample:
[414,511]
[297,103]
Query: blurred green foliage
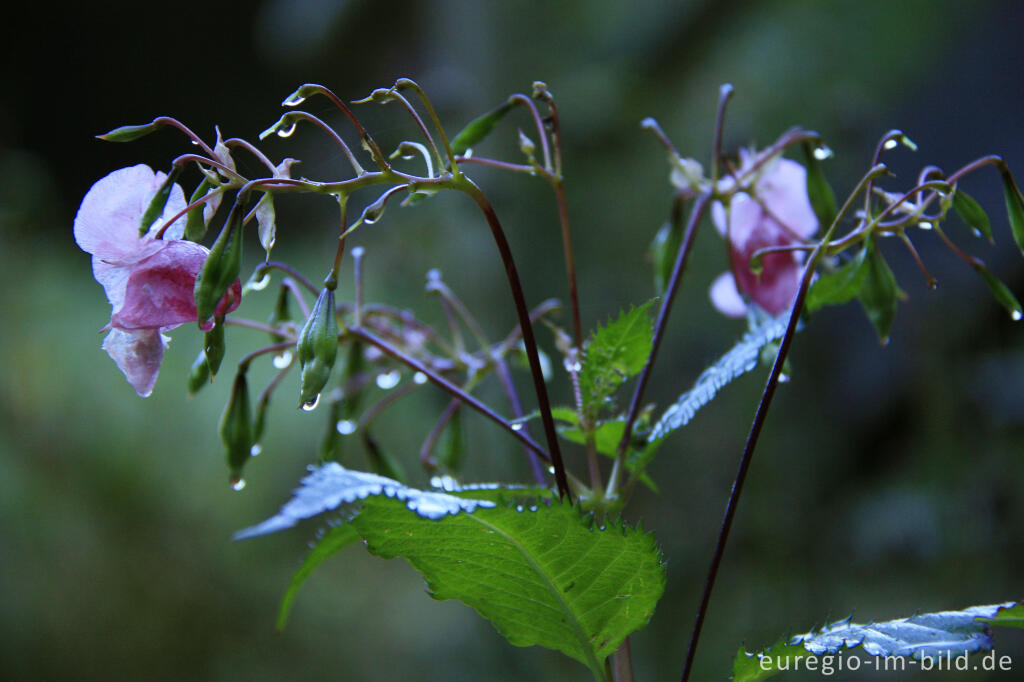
[888,480]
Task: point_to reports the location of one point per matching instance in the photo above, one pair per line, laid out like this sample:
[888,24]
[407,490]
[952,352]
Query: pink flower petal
[138,355]
[783,189]
[159,290]
[107,222]
[726,297]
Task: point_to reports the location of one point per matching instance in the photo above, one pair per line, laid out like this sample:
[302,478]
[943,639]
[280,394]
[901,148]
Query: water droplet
[516,426]
[976,232]
[1016,315]
[572,364]
[433,275]
[388,379]
[294,100]
[255,450]
[783,378]
[259,285]
[237,483]
[551,470]
[822,152]
[890,144]
[358,252]
[286,132]
[346,427]
[419,378]
[311,405]
[925,225]
[283,359]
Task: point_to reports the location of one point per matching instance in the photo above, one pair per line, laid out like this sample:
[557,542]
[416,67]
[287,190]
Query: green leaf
[1001,292]
[477,129]
[879,294]
[742,358]
[614,353]
[839,286]
[1014,208]
[1008,616]
[971,212]
[927,636]
[543,576]
[333,541]
[823,199]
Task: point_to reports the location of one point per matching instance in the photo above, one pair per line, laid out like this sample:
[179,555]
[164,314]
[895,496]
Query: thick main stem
[529,341]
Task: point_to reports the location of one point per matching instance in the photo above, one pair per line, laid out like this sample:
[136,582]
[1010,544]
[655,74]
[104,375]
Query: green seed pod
[130,133]
[213,347]
[317,347]
[221,267]
[158,202]
[195,223]
[260,421]
[236,427]
[199,374]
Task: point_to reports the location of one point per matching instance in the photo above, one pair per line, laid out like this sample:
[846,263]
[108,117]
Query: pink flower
[148,281]
[778,214]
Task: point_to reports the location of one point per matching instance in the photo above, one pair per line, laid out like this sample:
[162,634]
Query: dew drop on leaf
[419,378]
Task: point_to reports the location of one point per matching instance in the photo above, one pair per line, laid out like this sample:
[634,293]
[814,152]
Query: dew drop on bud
[345,427]
[311,405]
[286,132]
[388,379]
[1016,315]
[255,450]
[890,144]
[783,378]
[293,100]
[822,152]
[419,378]
[925,225]
[282,360]
[237,483]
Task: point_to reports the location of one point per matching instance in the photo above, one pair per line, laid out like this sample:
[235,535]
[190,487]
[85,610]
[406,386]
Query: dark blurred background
[887,481]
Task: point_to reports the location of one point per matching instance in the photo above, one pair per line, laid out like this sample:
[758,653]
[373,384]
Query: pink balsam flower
[776,212]
[148,281]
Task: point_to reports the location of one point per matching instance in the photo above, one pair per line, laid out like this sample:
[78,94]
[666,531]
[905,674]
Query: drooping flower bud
[221,268]
[236,428]
[317,347]
[199,373]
